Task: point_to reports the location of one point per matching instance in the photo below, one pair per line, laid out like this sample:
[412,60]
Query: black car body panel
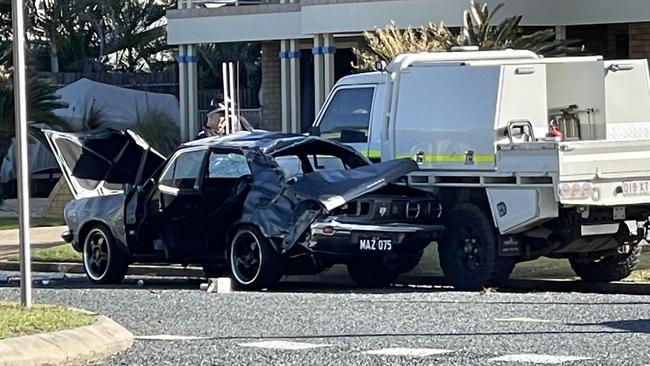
[168,216]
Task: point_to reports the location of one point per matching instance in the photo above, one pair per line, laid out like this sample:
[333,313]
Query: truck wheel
[469,251]
[105,260]
[254,263]
[371,273]
[608,269]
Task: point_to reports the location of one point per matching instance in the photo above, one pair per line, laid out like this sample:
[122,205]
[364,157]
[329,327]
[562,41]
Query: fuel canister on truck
[530,156]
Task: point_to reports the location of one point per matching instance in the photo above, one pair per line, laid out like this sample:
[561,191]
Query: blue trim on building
[289,54]
[184,59]
[323,50]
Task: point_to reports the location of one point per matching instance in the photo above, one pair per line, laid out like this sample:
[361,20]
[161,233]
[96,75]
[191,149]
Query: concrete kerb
[93,342]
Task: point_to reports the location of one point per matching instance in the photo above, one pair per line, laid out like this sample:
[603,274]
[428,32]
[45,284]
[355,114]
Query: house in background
[306,44]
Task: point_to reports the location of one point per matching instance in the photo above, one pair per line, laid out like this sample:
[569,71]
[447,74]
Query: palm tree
[477,30]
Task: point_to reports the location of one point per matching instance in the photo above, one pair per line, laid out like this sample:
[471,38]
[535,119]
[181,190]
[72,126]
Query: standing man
[216,124]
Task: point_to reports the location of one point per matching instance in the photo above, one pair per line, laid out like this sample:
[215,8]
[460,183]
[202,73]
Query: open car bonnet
[334,188]
[99,162]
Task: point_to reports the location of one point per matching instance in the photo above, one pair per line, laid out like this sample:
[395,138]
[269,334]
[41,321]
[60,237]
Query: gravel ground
[343,323]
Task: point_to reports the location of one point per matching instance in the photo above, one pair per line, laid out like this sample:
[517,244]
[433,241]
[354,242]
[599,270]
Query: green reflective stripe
[373,154]
[478,158]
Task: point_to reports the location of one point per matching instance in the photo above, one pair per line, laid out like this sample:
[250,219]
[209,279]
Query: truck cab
[530,156]
[352,111]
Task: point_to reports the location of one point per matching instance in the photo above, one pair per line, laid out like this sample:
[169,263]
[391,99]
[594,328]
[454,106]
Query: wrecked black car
[257,204]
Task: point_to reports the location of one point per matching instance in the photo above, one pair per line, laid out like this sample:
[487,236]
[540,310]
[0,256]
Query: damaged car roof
[267,141]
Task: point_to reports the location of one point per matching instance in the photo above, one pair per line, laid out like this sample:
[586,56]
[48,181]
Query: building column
[319,69]
[182,91]
[328,52]
[192,93]
[294,66]
[285,86]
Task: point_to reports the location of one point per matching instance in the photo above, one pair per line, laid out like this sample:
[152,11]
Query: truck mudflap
[604,173]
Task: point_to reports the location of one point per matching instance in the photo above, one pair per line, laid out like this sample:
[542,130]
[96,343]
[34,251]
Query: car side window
[227,165]
[347,115]
[185,171]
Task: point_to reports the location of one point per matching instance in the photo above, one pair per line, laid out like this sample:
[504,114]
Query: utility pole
[20,108]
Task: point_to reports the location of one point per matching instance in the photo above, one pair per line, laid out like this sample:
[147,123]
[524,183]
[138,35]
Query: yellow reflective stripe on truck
[373,154]
[478,158]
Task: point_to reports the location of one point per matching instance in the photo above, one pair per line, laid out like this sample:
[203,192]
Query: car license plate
[636,188]
[375,244]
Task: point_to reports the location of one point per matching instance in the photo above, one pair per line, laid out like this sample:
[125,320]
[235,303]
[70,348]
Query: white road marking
[283,345]
[409,352]
[536,358]
[170,337]
[523,320]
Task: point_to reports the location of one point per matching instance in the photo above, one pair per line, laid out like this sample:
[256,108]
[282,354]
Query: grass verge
[59,253]
[15,321]
[7,223]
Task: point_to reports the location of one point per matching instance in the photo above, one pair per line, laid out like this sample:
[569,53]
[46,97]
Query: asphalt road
[329,324]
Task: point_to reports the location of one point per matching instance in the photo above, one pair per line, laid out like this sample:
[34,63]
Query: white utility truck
[530,156]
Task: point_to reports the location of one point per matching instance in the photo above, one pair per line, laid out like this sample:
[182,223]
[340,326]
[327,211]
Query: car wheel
[254,263]
[608,269]
[371,273]
[469,251]
[105,260]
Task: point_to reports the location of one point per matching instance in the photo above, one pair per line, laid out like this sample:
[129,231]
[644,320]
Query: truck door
[346,116]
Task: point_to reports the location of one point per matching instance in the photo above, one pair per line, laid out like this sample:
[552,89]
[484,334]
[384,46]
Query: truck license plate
[375,244]
[636,188]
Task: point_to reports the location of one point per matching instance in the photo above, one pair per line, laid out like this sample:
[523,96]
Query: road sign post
[20,109]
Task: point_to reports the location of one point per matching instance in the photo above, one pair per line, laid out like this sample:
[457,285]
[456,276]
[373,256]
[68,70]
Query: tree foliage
[97,35]
[477,30]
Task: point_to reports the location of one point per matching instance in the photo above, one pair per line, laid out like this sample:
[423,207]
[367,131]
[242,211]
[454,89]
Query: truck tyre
[105,260]
[371,273]
[469,250]
[254,263]
[608,269]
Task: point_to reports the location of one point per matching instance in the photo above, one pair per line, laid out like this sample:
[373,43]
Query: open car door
[99,162]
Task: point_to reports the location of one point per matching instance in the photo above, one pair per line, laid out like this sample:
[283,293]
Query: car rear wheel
[105,260]
[469,251]
[254,263]
[608,269]
[371,273]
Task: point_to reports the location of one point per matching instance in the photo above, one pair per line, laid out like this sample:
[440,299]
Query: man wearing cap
[216,124]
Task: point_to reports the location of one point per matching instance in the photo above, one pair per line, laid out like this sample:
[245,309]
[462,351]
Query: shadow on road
[337,285]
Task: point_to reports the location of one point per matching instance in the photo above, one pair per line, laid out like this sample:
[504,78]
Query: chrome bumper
[344,228]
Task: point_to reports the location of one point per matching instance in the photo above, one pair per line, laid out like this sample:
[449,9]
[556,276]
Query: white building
[306,43]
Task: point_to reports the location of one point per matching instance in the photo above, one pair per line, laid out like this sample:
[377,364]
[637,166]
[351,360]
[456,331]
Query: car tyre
[371,273]
[608,269]
[105,260]
[469,252]
[254,262]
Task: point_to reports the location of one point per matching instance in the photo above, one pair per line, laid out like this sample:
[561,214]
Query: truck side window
[348,115]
